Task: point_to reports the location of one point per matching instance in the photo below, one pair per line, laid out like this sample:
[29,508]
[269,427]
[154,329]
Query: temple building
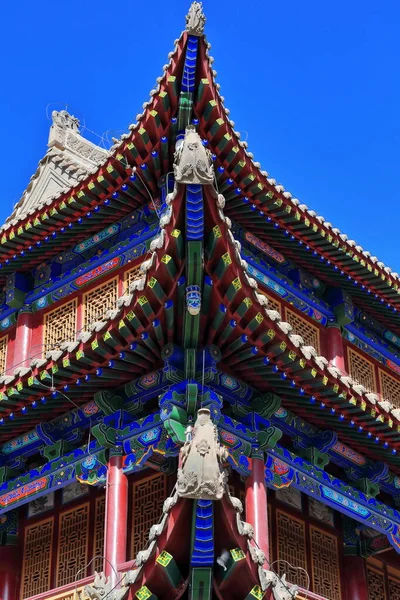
[200,389]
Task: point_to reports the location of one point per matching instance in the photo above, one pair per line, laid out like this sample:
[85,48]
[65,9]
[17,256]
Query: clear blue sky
[313,86]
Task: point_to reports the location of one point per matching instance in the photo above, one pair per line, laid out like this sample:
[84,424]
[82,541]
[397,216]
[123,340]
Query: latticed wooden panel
[272,303]
[308,331]
[60,325]
[361,370]
[99,519]
[131,275]
[3,353]
[394,589]
[376,585]
[325,564]
[390,388]
[98,301]
[291,533]
[73,539]
[147,500]
[36,567]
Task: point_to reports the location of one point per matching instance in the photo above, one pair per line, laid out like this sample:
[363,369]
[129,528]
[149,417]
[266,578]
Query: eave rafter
[254,196]
[123,346]
[259,347]
[108,192]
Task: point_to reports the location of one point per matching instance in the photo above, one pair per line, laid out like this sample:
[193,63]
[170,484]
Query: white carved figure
[64,120]
[278,585]
[195,19]
[192,162]
[202,476]
[102,588]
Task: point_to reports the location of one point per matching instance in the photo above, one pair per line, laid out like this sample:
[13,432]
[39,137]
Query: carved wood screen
[376,585]
[131,275]
[148,497]
[361,369]
[73,540]
[99,300]
[394,588]
[291,546]
[99,519]
[308,331]
[36,564]
[60,325]
[390,388]
[325,564]
[3,353]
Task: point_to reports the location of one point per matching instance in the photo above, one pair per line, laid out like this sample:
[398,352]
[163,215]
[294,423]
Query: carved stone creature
[103,588]
[280,588]
[192,162]
[202,476]
[195,19]
[64,120]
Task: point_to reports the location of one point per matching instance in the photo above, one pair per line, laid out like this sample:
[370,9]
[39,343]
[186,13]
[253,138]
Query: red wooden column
[334,350]
[256,504]
[10,570]
[116,517]
[355,578]
[23,339]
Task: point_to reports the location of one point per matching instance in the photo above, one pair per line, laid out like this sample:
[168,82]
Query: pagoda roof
[298,230]
[255,343]
[68,160]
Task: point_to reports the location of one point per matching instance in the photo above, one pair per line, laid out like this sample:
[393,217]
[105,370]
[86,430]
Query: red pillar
[10,569]
[355,578]
[116,518]
[23,339]
[334,350]
[256,504]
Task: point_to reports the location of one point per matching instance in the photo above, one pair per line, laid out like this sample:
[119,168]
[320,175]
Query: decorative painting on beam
[301,305]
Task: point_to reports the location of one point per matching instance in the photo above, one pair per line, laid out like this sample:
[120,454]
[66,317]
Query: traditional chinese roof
[69,159]
[254,198]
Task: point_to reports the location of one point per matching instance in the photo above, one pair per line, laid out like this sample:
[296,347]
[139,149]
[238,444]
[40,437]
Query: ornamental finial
[195,19]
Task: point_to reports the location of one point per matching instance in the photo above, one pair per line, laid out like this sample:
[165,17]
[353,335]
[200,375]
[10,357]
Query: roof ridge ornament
[65,120]
[192,161]
[195,19]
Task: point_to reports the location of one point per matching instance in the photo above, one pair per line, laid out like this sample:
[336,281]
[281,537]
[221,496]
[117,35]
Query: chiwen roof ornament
[195,19]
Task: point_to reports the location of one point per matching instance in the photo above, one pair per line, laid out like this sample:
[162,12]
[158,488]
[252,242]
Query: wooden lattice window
[291,534]
[361,370]
[131,275]
[147,500]
[36,567]
[60,325]
[390,388]
[3,353]
[394,589]
[376,585]
[308,331]
[99,520]
[325,564]
[272,303]
[73,540]
[99,300]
